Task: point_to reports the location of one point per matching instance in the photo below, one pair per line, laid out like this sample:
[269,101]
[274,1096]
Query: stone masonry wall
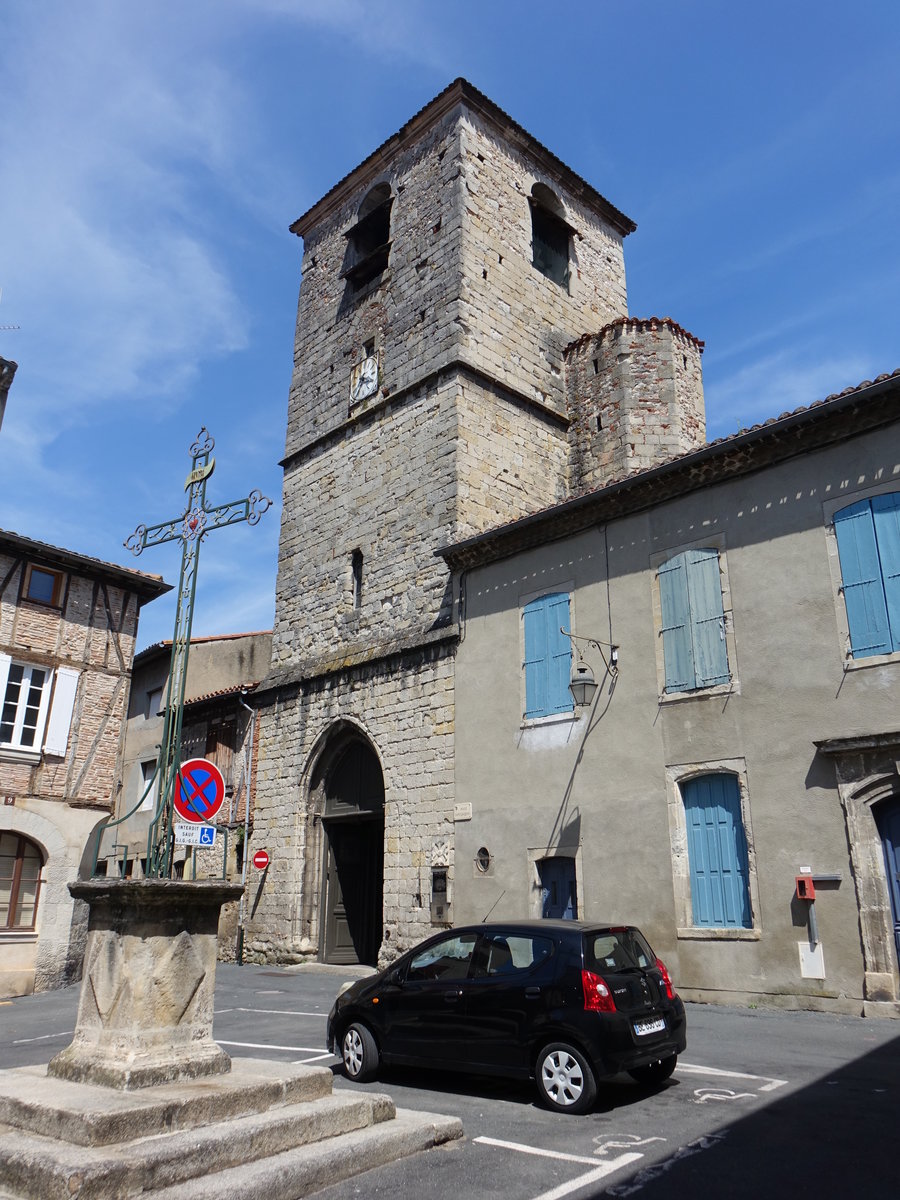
[387,488]
[405,709]
[515,322]
[410,313]
[636,394]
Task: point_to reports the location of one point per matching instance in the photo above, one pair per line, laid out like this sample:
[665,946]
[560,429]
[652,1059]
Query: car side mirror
[395,977]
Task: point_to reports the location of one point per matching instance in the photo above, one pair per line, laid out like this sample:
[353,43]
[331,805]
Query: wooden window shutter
[886,515]
[717,851]
[864,596]
[676,633]
[710,650]
[60,721]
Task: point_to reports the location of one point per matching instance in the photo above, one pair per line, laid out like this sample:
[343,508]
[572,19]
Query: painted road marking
[45,1037]
[600,1171]
[269,1046]
[295,1062]
[285,1012]
[769,1084]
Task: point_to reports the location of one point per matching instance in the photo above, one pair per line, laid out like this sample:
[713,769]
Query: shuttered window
[868,538]
[548,656]
[717,851]
[693,621]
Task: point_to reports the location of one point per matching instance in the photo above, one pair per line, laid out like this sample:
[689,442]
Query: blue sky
[153,156]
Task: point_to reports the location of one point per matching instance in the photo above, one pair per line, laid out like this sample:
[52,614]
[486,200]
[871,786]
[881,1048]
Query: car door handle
[451,997]
[532,993]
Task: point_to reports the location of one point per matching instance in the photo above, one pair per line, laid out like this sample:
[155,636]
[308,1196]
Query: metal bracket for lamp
[583,685]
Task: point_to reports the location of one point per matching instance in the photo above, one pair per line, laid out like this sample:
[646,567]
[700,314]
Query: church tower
[444,281]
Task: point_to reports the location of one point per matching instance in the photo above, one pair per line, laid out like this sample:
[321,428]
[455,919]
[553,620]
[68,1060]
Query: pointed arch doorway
[353,874]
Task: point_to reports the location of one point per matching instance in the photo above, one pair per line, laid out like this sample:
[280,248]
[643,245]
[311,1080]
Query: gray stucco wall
[606,784]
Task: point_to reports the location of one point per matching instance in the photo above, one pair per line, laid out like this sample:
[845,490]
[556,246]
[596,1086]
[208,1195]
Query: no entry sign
[199,790]
[261,860]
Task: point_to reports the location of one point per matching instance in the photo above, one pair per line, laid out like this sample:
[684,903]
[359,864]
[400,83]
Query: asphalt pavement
[784,1104]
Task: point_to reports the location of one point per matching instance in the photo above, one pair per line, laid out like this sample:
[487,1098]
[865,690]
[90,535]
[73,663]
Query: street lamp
[583,685]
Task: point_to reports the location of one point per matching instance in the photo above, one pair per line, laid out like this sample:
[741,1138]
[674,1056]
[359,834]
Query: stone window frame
[681,868]
[714,541]
[545,205]
[525,598]
[365,264]
[534,855]
[829,508]
[867,770]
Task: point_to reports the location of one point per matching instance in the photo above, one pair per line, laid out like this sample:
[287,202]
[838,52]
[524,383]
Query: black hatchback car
[564,1002]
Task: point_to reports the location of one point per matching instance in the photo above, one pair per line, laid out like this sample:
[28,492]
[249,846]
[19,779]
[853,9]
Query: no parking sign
[199,790]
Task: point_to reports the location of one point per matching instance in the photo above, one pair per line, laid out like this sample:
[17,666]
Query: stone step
[308,1169]
[87,1115]
[42,1168]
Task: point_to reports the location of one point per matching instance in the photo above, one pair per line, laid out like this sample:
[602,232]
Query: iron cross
[197,520]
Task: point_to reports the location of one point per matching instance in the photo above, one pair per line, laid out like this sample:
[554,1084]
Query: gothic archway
[352,800]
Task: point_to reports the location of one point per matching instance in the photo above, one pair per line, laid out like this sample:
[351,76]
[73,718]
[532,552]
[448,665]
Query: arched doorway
[887,818]
[353,876]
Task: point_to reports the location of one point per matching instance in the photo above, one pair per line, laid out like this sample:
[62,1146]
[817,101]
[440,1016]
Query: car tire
[565,1080]
[359,1054]
[654,1073]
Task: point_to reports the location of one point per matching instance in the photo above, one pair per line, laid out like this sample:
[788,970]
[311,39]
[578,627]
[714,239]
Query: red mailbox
[806,889]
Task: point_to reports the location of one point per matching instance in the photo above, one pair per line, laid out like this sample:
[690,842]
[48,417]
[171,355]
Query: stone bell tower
[443,280]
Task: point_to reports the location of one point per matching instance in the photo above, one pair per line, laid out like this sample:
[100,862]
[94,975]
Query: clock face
[364,379]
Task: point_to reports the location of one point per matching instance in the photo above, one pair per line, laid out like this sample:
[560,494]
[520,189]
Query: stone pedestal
[146,1009]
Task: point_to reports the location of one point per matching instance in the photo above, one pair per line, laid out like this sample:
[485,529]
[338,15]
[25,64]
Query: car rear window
[617,950]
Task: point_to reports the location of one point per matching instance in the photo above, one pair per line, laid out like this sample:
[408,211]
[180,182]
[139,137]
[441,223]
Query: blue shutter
[548,656]
[707,618]
[536,674]
[717,851]
[676,631]
[886,515]
[559,653]
[864,595]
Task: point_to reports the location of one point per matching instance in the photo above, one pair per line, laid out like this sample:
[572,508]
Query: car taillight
[597,996]
[667,980]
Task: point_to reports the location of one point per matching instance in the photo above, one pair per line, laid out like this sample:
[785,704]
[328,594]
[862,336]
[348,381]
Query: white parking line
[45,1037]
[300,1062]
[769,1084]
[269,1046]
[600,1170]
[284,1012]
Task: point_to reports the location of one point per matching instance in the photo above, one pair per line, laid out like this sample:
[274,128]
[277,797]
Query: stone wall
[404,708]
[636,394]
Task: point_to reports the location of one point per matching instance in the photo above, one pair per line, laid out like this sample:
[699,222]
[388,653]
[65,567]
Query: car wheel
[565,1081]
[359,1053]
[654,1073]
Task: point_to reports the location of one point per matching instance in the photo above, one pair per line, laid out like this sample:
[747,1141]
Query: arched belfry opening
[350,789]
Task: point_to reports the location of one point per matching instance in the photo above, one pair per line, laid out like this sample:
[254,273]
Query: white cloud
[775,385]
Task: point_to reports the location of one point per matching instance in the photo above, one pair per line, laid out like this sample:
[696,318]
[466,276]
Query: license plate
[642,1028]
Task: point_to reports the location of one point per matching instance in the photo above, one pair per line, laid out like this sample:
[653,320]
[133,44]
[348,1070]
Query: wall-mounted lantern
[583,685]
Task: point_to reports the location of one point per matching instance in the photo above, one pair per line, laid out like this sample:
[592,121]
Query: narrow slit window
[356,568]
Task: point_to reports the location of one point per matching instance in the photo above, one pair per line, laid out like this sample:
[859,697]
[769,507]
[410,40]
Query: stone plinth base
[146,1008]
[265,1131]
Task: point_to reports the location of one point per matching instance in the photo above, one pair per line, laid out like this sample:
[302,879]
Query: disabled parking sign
[199,790]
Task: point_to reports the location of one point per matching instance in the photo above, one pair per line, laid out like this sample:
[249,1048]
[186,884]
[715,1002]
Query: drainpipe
[239,950]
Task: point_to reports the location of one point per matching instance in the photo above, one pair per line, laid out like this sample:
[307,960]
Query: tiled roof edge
[639,323]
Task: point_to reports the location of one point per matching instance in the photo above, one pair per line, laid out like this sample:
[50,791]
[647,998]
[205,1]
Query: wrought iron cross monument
[197,520]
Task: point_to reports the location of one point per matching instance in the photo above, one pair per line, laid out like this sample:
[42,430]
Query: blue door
[558,888]
[888,820]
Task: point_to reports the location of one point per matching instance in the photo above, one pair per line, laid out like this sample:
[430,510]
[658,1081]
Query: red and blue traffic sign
[199,790]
